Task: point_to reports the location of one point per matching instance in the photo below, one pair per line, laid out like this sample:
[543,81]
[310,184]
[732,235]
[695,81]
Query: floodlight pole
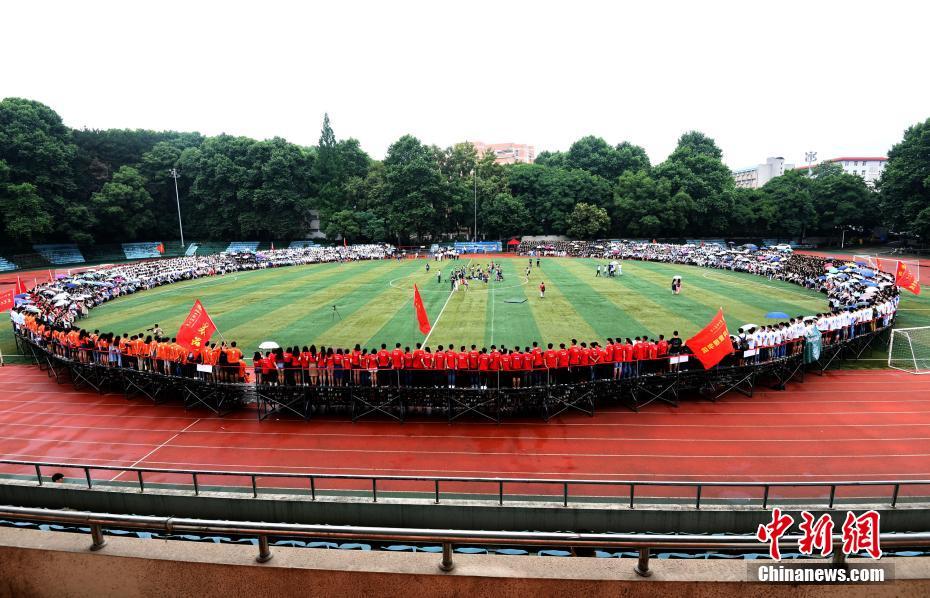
[810,157]
[174,174]
[475,239]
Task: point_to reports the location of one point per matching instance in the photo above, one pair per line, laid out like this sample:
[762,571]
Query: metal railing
[643,543]
[310,485]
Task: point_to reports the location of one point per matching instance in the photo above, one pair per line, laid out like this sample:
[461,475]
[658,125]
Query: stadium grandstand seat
[136,251]
[64,253]
[354,546]
[242,246]
[720,242]
[511,551]
[191,249]
[401,548]
[471,550]
[291,543]
[554,553]
[322,545]
[6,265]
[302,244]
[434,549]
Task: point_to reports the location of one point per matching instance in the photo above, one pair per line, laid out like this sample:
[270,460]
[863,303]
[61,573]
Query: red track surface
[852,425]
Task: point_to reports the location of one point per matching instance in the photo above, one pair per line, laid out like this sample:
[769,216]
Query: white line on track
[160,446]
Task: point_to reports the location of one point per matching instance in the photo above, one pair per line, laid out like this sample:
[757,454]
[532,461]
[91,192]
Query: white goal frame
[909,348]
[913,265]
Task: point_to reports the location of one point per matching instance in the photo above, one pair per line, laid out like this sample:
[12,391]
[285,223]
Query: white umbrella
[60,296]
[269,345]
[745,327]
[62,303]
[32,308]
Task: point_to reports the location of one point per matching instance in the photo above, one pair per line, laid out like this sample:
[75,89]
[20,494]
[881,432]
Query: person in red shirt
[356,360]
[384,358]
[564,358]
[397,364]
[550,362]
[516,366]
[439,367]
[594,361]
[408,367]
[484,364]
[418,357]
[473,366]
[505,375]
[637,356]
[373,367]
[574,358]
[538,365]
[461,367]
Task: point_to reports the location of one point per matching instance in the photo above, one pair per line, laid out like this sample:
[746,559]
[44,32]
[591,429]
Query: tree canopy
[107,186]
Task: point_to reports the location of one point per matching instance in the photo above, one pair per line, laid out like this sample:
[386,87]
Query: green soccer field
[374,302]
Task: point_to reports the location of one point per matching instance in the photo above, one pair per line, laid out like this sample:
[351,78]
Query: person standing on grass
[438,276]
[597,272]
[542,290]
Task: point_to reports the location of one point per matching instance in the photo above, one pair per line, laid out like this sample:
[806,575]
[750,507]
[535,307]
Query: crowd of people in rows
[861,301]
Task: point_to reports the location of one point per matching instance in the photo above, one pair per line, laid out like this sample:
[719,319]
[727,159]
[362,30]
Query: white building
[757,176]
[870,169]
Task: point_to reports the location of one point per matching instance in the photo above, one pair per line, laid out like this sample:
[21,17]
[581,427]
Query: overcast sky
[762,79]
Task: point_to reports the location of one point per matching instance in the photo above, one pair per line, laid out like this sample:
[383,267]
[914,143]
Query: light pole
[810,158]
[476,203]
[174,174]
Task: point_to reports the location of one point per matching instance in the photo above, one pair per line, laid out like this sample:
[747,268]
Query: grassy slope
[374,300]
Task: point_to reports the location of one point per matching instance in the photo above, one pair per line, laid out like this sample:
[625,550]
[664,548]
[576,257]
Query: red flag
[160,248]
[20,286]
[6,300]
[711,344]
[422,318]
[272,245]
[197,328]
[344,242]
[905,279]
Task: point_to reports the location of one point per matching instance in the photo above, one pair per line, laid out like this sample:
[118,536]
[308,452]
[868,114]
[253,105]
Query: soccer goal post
[888,264]
[909,350]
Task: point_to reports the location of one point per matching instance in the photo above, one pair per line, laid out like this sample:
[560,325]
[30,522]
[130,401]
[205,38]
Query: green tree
[24,217]
[588,221]
[414,190]
[786,207]
[550,194]
[905,183]
[123,206]
[39,150]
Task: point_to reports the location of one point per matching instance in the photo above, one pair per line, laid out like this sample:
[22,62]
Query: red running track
[846,425]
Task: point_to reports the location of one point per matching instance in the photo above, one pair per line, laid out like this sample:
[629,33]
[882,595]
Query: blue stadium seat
[6,265]
[322,545]
[242,246]
[291,543]
[676,555]
[429,549]
[354,546]
[471,550]
[401,548]
[511,551]
[554,553]
[136,251]
[65,253]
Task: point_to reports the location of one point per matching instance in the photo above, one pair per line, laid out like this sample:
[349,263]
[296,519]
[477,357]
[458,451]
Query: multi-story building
[507,153]
[869,168]
[756,176]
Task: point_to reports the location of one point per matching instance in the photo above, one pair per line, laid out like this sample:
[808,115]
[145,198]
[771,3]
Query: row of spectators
[861,300]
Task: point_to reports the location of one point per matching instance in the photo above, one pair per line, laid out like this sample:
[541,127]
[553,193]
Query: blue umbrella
[832,270]
[869,283]
[866,272]
[751,247]
[776,315]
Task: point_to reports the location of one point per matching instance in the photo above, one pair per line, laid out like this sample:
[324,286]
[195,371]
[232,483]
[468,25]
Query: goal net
[888,264]
[909,350]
